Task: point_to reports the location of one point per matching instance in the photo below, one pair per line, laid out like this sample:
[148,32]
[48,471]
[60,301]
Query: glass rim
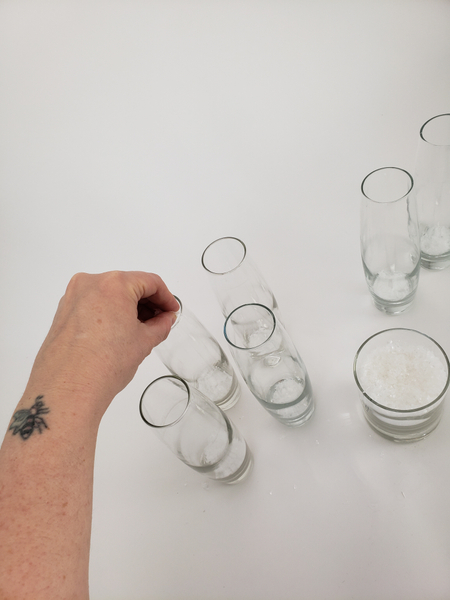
[411,180]
[178,313]
[226,237]
[399,410]
[244,306]
[427,123]
[178,419]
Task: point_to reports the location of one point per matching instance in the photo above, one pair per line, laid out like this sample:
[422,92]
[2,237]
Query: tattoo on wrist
[25,421]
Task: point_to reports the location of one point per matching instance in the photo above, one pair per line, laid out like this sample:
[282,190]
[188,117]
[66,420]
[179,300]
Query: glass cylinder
[402,377]
[233,276]
[270,363]
[389,237]
[193,354]
[195,429]
[432,189]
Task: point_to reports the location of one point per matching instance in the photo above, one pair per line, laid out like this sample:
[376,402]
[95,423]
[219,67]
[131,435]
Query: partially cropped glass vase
[432,190]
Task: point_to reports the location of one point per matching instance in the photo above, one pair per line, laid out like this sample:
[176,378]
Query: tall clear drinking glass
[390,248]
[233,276]
[270,363]
[195,429]
[432,189]
[193,354]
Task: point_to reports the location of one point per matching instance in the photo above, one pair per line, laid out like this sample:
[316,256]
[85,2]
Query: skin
[103,329]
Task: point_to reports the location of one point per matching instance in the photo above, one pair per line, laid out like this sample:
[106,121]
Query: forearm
[104,327]
[46,497]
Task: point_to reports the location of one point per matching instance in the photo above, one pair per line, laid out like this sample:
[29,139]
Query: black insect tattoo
[25,421]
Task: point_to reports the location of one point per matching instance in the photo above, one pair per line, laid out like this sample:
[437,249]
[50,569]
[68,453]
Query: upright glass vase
[432,189]
[389,237]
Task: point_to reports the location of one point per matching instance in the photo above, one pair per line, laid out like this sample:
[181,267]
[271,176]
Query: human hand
[103,329]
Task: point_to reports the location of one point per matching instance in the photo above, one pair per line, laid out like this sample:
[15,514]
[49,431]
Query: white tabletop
[132,134]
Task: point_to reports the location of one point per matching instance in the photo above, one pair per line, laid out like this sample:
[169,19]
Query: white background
[132,134]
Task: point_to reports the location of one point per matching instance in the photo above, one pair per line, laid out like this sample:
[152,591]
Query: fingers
[149,296]
[156,306]
[152,291]
[147,310]
[140,285]
[158,328]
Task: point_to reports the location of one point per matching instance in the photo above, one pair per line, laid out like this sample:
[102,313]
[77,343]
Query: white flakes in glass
[402,376]
[436,240]
[215,385]
[392,286]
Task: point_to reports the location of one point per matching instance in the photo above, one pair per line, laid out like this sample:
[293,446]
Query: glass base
[435,263]
[435,246]
[291,412]
[393,292]
[393,308]
[401,433]
[231,399]
[243,471]
[298,422]
[399,426]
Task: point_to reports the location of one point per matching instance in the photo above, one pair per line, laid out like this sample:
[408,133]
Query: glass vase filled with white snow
[402,377]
